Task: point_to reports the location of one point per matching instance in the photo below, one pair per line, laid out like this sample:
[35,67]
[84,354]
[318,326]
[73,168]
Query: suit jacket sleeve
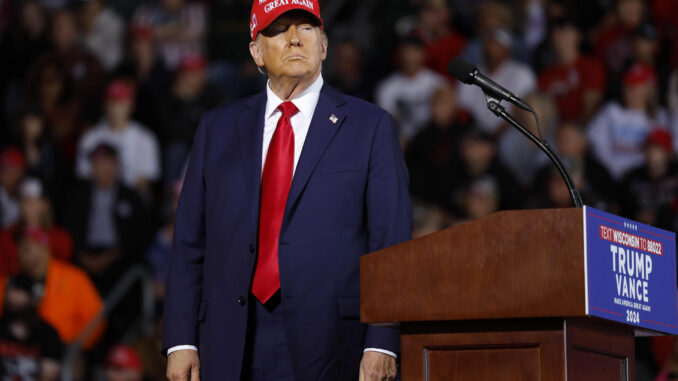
[389,214]
[184,281]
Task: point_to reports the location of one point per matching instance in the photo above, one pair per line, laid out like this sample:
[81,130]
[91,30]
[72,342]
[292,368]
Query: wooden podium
[499,298]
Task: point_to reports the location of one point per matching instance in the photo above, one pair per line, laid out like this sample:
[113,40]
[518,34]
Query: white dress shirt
[301,121]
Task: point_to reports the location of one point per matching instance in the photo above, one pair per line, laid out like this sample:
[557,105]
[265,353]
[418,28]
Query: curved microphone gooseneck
[465,72]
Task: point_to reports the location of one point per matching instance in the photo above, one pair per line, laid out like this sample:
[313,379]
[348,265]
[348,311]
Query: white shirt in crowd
[617,136]
[106,38]
[10,211]
[138,152]
[512,75]
[408,99]
[301,122]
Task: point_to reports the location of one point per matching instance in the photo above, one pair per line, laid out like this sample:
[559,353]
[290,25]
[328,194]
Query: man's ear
[323,44]
[255,51]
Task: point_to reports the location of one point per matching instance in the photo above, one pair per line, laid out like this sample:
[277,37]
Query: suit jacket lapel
[251,132]
[321,131]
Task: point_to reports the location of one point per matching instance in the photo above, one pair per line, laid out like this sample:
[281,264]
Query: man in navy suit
[284,192]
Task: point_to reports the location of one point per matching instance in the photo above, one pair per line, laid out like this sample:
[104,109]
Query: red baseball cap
[264,12]
[141,32]
[119,90]
[661,138]
[12,157]
[125,357]
[640,73]
[192,62]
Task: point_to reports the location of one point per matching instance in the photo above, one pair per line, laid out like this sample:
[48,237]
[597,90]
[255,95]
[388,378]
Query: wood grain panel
[514,264]
[483,355]
[599,350]
[483,364]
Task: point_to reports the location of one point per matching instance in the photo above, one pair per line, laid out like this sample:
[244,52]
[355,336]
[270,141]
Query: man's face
[64,31]
[32,255]
[291,47]
[119,111]
[566,39]
[411,58]
[104,170]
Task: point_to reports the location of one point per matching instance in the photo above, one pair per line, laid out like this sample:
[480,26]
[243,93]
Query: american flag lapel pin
[333,119]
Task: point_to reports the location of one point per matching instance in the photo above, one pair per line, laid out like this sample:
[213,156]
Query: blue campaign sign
[631,272]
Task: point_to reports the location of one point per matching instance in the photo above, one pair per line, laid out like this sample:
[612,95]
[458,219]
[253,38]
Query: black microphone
[465,72]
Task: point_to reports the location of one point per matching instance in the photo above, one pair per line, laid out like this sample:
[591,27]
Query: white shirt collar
[305,102]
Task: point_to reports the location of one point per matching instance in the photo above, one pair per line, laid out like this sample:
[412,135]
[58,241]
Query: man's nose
[293,36]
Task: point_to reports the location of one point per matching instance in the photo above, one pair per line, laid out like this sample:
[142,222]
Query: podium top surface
[509,265]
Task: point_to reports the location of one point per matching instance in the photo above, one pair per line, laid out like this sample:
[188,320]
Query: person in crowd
[441,41]
[573,145]
[26,40]
[68,300]
[37,214]
[349,70]
[651,189]
[158,254]
[149,73]
[645,44]
[478,159]
[108,220]
[575,81]
[499,66]
[490,15]
[123,363]
[30,348]
[481,197]
[189,97]
[82,67]
[431,155]
[179,27]
[406,94]
[103,32]
[519,154]
[50,91]
[551,191]
[428,218]
[137,146]
[44,160]
[619,130]
[12,172]
[614,42]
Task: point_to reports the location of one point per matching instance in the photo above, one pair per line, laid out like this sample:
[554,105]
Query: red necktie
[275,186]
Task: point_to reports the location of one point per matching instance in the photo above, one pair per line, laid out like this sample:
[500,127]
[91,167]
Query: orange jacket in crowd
[69,303]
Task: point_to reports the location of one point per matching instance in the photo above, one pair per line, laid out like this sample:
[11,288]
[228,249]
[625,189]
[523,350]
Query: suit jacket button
[252,249]
[241,301]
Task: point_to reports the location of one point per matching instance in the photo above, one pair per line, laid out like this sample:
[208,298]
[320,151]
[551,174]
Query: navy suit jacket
[349,196]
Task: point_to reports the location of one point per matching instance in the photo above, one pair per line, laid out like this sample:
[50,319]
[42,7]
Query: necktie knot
[288,109]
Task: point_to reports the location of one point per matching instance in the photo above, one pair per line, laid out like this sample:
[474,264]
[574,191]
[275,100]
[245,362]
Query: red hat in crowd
[640,73]
[12,157]
[192,62]
[141,32]
[124,357]
[264,12]
[119,90]
[661,138]
[37,235]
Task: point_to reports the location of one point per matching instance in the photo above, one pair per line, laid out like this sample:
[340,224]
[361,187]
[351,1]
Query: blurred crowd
[99,101]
